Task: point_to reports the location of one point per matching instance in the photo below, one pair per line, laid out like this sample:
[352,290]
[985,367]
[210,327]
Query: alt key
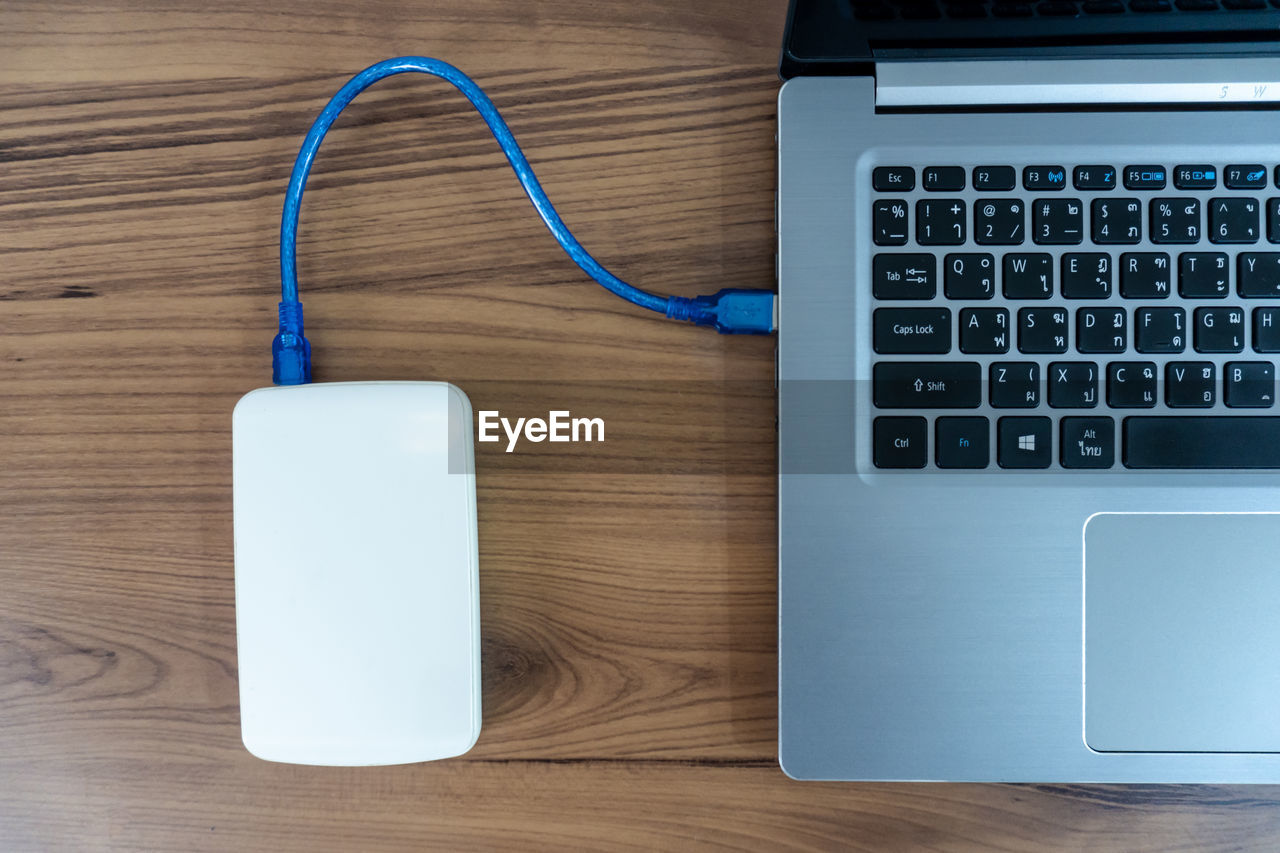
[1088,442]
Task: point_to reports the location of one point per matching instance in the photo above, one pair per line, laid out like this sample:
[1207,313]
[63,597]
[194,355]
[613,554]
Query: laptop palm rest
[1182,632]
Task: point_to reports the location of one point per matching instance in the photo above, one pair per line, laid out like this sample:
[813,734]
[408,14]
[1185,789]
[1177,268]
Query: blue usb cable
[728,311]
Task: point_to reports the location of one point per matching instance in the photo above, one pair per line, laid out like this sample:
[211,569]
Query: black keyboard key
[1057,221]
[1042,330]
[904,276]
[1101,330]
[1219,329]
[984,330]
[912,330]
[1057,8]
[1195,177]
[1202,441]
[940,221]
[939,179]
[1175,220]
[966,10]
[1249,384]
[919,11]
[1087,443]
[1150,5]
[1103,7]
[1266,329]
[1145,177]
[1203,275]
[865,11]
[1242,5]
[1247,176]
[1189,384]
[1024,442]
[1234,220]
[969,276]
[889,222]
[1028,276]
[1158,330]
[1131,384]
[962,442]
[927,384]
[1094,177]
[1116,221]
[1015,384]
[1040,178]
[900,442]
[1011,10]
[1197,5]
[1273,220]
[1086,275]
[1073,384]
[887,179]
[994,178]
[1258,275]
[1144,275]
[999,221]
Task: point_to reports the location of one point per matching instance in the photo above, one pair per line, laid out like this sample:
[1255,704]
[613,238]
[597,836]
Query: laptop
[1029,444]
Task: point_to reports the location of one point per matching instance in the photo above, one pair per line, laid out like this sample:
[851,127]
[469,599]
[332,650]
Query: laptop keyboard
[926,10]
[1075,316]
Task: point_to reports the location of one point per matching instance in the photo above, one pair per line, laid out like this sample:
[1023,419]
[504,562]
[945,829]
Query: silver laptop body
[1044,547]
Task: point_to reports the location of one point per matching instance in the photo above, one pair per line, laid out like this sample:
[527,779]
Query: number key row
[1061,221]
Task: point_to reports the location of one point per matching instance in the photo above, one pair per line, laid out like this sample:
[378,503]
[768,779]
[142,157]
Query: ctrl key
[900,442]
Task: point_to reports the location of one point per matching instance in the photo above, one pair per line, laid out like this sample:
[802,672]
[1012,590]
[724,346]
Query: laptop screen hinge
[972,83]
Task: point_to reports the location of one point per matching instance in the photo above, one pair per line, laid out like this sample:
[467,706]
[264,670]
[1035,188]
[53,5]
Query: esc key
[889,178]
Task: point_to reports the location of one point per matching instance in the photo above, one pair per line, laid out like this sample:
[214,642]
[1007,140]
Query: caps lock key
[912,330]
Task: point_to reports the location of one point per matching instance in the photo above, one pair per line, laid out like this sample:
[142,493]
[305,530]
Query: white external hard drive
[357,605]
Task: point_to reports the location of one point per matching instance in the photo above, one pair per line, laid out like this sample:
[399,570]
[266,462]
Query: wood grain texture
[628,609]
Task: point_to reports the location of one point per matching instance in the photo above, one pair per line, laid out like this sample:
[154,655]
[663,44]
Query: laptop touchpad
[1182,632]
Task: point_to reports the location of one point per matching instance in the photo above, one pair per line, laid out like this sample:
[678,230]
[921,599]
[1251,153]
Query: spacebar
[1202,442]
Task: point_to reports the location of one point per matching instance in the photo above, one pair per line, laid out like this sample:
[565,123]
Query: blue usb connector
[290,351]
[731,311]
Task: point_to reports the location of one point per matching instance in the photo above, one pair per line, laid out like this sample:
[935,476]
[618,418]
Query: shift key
[905,276]
[927,385]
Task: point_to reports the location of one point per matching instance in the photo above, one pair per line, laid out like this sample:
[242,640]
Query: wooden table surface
[627,598]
